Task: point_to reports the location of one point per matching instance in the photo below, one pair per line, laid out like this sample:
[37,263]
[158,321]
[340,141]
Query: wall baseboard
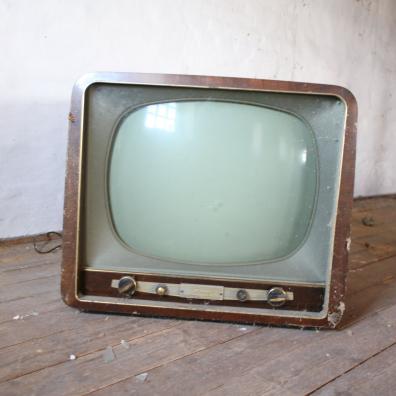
[28,239]
[389,196]
[43,237]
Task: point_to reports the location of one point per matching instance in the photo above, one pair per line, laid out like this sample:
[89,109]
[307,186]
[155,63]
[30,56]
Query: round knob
[127,286]
[276,297]
[242,295]
[161,290]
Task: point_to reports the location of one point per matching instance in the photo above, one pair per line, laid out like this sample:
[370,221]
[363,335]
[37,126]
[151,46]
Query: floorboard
[374,375]
[124,355]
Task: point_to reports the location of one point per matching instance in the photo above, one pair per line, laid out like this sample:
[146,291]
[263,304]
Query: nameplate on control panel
[204,292]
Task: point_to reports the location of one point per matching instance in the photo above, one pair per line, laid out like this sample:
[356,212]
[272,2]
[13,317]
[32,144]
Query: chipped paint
[348,243]
[335,317]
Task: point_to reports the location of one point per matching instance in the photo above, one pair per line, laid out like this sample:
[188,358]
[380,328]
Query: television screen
[207,197]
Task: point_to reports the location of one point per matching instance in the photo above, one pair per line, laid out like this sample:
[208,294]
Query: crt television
[209,198]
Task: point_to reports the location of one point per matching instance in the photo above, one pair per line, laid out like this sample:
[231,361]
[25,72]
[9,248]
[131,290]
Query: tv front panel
[209,198]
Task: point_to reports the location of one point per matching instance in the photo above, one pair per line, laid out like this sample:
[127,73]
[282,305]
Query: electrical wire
[39,249]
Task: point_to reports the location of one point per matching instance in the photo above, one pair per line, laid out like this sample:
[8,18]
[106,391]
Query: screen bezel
[75,278]
[258,262]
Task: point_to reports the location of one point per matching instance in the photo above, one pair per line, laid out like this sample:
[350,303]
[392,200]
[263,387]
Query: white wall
[47,44]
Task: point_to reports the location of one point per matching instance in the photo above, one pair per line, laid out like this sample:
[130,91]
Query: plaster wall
[47,44]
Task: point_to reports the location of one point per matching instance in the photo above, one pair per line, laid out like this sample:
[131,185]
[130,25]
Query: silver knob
[127,286]
[242,295]
[276,297]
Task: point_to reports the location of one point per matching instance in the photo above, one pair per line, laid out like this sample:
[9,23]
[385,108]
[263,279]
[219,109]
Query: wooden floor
[39,336]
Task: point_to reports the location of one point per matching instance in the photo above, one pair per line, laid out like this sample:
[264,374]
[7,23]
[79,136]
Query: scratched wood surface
[38,334]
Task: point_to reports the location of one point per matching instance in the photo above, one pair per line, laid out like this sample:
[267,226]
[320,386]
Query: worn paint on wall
[47,44]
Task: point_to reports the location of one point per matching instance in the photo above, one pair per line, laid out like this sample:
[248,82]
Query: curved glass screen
[212,182]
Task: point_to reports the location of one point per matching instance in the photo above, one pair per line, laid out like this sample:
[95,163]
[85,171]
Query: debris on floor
[125,344]
[72,357]
[108,355]
[142,377]
[18,317]
[368,221]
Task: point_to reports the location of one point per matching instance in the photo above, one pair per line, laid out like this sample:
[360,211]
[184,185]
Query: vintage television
[209,198]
